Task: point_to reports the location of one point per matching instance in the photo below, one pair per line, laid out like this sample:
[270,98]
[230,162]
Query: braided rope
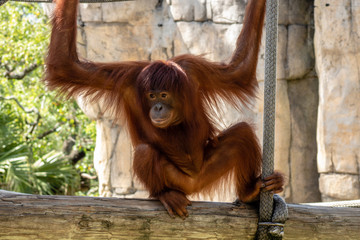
[269,105]
[50,1]
[266,228]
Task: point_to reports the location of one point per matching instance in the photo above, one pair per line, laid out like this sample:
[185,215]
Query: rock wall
[156,29]
[337,45]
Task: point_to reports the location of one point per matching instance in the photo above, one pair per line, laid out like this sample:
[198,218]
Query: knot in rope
[275,228]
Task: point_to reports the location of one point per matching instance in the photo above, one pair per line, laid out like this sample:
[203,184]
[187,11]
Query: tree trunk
[25,216]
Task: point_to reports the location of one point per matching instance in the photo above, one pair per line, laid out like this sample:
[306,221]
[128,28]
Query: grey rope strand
[266,217]
[50,1]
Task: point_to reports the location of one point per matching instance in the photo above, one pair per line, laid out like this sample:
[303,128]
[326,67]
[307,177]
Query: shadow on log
[67,217]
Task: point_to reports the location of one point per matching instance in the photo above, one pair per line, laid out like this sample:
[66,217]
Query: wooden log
[67,217]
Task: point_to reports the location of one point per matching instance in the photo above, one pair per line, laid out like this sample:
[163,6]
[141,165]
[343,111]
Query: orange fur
[191,156]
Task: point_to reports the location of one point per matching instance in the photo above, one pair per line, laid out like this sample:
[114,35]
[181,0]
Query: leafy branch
[34,110]
[48,132]
[10,74]
[26,110]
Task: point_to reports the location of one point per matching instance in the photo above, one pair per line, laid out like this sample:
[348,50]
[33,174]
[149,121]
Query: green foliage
[23,36]
[34,124]
[50,175]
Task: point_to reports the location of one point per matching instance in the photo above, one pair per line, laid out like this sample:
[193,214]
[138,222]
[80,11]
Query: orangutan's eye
[163,95]
[151,96]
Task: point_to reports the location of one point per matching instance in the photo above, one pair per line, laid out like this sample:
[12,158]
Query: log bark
[25,216]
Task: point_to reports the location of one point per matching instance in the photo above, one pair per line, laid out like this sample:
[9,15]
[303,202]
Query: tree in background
[45,144]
